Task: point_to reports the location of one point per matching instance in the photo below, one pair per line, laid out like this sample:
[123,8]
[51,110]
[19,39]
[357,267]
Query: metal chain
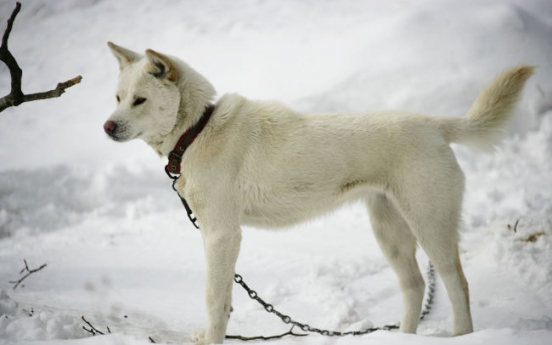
[191,215]
[430,291]
[307,328]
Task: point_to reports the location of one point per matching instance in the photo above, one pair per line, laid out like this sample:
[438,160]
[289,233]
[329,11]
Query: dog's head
[148,97]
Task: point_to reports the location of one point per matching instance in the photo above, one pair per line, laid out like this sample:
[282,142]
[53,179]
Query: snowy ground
[118,247]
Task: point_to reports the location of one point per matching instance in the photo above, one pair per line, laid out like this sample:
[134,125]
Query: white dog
[263,164]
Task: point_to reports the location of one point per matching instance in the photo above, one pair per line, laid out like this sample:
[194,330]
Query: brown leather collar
[175,156]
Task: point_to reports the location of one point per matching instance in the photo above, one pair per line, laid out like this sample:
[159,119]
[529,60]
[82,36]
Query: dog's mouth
[116,138]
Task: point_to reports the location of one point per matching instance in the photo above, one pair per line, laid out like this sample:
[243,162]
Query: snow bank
[59,196]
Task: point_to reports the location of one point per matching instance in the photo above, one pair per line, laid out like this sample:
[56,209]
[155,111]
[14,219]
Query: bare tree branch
[58,91]
[16,95]
[29,272]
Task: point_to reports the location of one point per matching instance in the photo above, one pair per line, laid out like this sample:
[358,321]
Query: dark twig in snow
[29,272]
[515,226]
[290,332]
[16,95]
[92,329]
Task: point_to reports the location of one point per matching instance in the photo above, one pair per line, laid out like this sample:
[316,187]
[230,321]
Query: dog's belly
[299,206]
[271,216]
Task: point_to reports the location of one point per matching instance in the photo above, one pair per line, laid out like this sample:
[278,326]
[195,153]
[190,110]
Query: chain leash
[189,212]
[238,279]
[307,328]
[430,291]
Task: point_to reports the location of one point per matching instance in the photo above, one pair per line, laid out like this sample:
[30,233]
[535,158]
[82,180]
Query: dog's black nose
[110,127]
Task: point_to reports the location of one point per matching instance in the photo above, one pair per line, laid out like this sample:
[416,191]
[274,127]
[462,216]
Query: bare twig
[290,332]
[93,330]
[16,95]
[29,272]
[515,226]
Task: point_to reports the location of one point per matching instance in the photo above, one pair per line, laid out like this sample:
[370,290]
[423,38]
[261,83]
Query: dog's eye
[139,101]
[118,99]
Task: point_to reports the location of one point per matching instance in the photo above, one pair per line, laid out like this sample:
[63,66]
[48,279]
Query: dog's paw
[198,337]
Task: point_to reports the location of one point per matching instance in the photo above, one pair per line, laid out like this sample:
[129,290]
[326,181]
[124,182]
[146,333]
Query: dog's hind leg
[432,209]
[398,244]
[447,263]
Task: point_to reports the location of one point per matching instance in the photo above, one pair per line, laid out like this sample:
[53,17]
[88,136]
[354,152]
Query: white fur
[263,164]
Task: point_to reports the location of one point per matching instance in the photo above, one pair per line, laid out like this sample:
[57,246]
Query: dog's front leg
[222,244]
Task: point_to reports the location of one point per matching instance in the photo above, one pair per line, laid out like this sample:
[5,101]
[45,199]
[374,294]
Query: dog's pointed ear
[124,56]
[161,66]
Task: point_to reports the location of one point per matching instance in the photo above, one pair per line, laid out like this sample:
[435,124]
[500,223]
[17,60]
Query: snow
[118,246]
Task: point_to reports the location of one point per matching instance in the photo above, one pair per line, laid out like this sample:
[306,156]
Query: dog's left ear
[161,66]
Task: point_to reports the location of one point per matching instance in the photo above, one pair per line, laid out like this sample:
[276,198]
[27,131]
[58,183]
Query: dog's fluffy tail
[484,125]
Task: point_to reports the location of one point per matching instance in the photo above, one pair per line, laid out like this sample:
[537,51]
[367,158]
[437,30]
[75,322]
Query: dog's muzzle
[114,130]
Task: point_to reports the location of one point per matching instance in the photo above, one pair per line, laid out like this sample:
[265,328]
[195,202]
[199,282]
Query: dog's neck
[196,95]
[165,145]
[186,139]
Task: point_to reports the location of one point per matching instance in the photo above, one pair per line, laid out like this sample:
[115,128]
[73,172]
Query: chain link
[307,328]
